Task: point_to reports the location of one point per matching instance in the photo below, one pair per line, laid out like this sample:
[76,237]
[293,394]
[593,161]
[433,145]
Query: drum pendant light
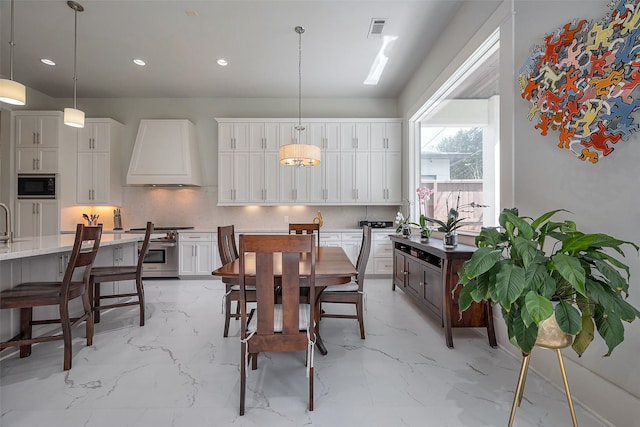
[299,154]
[11,91]
[72,116]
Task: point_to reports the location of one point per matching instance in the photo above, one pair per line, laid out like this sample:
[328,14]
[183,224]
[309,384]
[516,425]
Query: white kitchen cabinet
[350,172]
[386,136]
[38,135]
[351,243]
[117,255]
[37,218]
[99,172]
[196,253]
[355,170]
[264,137]
[263,174]
[295,184]
[386,177]
[233,137]
[331,239]
[381,261]
[355,136]
[233,177]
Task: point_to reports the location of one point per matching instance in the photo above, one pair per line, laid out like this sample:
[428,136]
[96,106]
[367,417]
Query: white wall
[197,206]
[538,177]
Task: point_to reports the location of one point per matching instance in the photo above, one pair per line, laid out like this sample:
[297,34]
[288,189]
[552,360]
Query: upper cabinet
[99,168]
[38,135]
[361,162]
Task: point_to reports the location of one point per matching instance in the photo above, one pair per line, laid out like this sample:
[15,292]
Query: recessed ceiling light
[139,62]
[222,62]
[47,61]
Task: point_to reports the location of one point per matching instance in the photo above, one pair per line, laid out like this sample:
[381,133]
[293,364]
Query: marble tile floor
[178,370]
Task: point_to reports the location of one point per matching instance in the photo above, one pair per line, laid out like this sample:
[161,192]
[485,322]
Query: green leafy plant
[453,221]
[580,272]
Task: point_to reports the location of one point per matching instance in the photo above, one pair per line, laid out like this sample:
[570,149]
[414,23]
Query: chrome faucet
[8,236]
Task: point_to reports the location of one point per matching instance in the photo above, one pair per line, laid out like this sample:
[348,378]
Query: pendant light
[72,116]
[11,91]
[299,154]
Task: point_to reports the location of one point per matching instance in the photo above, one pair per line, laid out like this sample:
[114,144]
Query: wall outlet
[286,219]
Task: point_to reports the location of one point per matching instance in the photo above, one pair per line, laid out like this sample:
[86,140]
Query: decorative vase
[450,240]
[551,336]
[406,230]
[424,235]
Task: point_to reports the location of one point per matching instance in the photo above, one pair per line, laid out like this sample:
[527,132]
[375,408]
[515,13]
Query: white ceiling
[256,36]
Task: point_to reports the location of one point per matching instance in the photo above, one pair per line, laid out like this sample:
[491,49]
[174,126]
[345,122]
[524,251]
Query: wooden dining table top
[333,267]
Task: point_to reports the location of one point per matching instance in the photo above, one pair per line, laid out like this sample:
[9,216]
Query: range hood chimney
[165,154]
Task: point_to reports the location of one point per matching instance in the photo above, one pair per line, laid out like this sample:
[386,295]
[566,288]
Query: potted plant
[536,268]
[453,221]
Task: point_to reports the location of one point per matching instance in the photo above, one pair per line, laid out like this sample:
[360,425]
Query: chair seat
[303,314]
[38,294]
[114,271]
[346,287]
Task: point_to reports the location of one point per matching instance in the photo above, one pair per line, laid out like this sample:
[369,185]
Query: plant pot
[406,231]
[450,240]
[551,336]
[424,236]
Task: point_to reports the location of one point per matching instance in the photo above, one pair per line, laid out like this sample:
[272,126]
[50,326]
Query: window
[457,136]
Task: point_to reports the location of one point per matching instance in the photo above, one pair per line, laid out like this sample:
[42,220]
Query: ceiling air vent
[375,30]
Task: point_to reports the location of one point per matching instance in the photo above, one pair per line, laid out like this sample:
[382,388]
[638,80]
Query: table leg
[316,314]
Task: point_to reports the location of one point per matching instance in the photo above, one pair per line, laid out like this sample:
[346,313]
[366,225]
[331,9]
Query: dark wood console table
[428,273]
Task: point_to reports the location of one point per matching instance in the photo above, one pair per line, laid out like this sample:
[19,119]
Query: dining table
[333,267]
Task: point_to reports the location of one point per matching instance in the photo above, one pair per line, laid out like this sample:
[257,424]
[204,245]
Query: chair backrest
[278,259]
[227,244]
[363,256]
[145,246]
[83,254]
[305,228]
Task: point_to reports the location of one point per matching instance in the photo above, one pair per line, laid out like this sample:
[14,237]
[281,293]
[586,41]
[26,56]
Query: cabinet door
[25,218]
[48,160]
[432,279]
[203,258]
[26,159]
[331,181]
[377,180]
[26,131]
[256,173]
[48,129]
[351,243]
[84,187]
[362,174]
[393,175]
[415,279]
[187,255]
[399,269]
[242,178]
[378,136]
[225,177]
[101,178]
[48,223]
[348,176]
[271,177]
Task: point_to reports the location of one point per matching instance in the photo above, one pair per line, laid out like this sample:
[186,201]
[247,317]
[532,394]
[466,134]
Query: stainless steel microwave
[37,186]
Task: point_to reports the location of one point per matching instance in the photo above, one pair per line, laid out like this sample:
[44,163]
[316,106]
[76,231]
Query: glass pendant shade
[12,92]
[300,155]
[74,117]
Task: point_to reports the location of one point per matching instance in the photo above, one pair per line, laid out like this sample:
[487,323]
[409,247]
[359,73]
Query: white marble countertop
[390,230]
[34,246]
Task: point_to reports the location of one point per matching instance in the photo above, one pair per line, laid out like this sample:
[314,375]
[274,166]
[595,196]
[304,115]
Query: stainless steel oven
[162,258]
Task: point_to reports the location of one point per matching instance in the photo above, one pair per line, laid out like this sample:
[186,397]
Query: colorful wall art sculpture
[582,82]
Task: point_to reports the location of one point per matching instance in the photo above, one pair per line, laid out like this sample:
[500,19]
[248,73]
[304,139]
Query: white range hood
[165,154]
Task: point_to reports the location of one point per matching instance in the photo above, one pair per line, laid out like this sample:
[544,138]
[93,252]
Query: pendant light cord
[299,128]
[75,55]
[12,44]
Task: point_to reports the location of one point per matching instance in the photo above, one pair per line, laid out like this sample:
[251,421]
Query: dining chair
[26,296]
[228,252]
[352,292]
[306,228]
[120,273]
[272,327]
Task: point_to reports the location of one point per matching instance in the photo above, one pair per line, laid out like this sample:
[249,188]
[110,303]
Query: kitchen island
[45,259]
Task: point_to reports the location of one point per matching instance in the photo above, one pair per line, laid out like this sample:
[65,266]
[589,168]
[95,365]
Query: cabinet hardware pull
[38,138]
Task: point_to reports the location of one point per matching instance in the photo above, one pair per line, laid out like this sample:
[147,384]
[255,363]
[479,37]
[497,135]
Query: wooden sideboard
[428,273]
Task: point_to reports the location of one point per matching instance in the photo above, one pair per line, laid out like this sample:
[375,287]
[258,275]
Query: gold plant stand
[549,336]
